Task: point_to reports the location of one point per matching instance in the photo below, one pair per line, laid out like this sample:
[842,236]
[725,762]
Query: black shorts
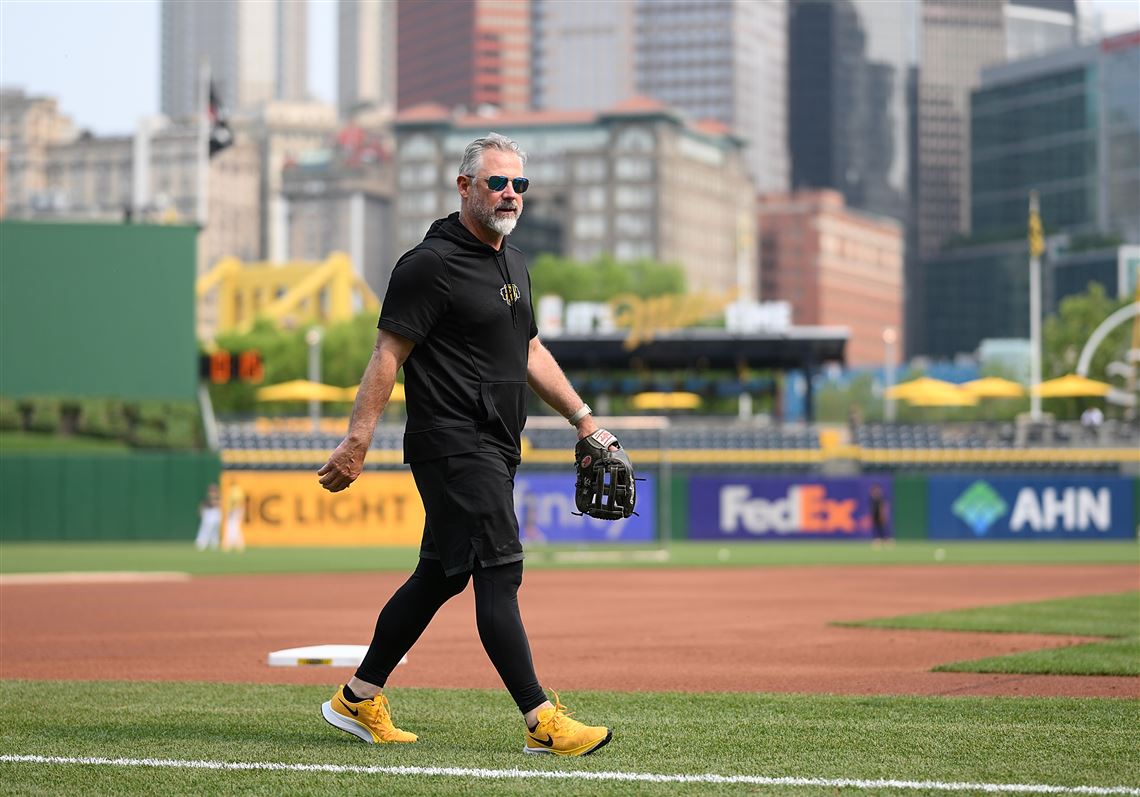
[470,505]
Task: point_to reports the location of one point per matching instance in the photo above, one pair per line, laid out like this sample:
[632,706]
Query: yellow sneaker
[557,734]
[368,719]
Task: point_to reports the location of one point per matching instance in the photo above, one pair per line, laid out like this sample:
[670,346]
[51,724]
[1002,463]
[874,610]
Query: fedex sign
[752,507]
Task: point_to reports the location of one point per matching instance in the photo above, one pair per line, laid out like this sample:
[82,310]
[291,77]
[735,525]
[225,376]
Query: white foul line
[524,774]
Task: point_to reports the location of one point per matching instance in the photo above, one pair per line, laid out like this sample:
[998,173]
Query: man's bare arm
[547,380]
[347,461]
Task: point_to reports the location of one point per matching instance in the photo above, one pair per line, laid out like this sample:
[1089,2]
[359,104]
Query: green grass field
[1092,615]
[20,557]
[827,739]
[226,739]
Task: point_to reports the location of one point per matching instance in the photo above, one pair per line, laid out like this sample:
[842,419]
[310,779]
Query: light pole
[889,339]
[1036,249]
[313,338]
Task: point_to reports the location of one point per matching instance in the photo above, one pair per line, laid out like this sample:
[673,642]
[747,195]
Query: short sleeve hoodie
[468,309]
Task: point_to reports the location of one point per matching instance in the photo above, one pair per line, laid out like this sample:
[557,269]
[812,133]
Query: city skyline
[87,75]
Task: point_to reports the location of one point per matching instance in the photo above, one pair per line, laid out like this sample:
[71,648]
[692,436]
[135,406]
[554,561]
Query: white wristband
[582,412]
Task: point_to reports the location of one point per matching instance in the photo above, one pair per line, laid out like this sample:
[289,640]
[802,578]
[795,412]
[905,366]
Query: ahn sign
[1012,508]
[745,507]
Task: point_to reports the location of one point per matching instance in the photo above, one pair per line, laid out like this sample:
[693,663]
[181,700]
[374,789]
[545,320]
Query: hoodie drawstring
[505,273]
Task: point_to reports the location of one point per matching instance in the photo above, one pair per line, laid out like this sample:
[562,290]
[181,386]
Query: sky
[101,58]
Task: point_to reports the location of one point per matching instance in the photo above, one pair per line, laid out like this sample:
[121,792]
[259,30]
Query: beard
[486,214]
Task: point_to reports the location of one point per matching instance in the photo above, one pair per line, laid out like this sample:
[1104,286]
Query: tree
[1065,334]
[345,349]
[604,278]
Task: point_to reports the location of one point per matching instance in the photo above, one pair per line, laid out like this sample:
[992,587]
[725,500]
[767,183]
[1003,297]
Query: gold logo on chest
[510,293]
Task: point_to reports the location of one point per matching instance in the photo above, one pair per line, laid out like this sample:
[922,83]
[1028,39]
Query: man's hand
[344,465]
[587,426]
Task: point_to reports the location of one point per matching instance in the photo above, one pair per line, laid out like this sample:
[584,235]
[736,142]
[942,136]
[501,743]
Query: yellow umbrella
[666,401]
[397,392]
[994,387]
[919,388]
[300,390]
[955,397]
[1072,386]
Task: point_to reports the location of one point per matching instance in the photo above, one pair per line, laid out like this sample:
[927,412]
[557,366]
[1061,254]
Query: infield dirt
[725,629]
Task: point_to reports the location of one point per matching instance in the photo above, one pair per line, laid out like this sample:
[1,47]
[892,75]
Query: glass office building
[849,65]
[724,60]
[1068,126]
[978,293]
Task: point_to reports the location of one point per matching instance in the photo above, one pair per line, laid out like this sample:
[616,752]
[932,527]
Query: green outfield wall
[97,310]
[909,511]
[133,496]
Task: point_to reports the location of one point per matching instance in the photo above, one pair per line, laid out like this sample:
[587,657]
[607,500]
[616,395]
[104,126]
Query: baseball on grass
[723,554]
[939,554]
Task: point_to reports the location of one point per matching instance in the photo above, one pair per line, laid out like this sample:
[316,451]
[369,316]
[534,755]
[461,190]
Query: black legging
[411,608]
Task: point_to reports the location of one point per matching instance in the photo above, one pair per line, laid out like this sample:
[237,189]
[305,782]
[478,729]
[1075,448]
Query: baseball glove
[605,487]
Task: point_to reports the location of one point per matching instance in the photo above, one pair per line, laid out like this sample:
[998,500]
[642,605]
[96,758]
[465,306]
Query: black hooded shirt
[468,309]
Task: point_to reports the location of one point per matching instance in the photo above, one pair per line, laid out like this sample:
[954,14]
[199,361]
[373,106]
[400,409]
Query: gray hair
[473,155]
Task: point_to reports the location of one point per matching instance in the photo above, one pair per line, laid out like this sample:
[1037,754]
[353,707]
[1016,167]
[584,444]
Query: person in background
[879,518]
[211,520]
[232,538]
[1091,420]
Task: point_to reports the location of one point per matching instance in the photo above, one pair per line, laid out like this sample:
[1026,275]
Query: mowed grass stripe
[627,777]
[1114,615]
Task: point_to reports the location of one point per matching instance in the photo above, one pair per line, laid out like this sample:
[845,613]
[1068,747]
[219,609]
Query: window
[633,168]
[633,225]
[629,197]
[591,225]
[418,146]
[419,175]
[590,198]
[633,250]
[635,139]
[590,169]
[548,172]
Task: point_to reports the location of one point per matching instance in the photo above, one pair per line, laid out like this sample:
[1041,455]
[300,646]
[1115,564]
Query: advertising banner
[287,508]
[544,503]
[1030,508]
[747,507]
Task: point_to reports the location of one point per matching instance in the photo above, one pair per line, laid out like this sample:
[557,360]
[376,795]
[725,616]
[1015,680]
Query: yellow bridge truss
[286,293]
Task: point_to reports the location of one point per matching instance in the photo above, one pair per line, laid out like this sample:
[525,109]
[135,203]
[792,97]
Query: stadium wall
[138,496]
[156,496]
[909,510]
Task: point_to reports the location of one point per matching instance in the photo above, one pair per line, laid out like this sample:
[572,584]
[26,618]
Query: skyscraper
[470,54]
[1035,27]
[958,39]
[1068,126]
[582,61]
[257,52]
[724,60]
[366,54]
[849,121]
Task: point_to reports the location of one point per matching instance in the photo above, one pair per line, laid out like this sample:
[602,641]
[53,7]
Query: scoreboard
[223,367]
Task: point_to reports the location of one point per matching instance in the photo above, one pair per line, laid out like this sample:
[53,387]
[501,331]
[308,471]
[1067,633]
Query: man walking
[458,317]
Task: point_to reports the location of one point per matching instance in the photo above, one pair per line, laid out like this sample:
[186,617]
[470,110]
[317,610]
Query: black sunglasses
[498,182]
